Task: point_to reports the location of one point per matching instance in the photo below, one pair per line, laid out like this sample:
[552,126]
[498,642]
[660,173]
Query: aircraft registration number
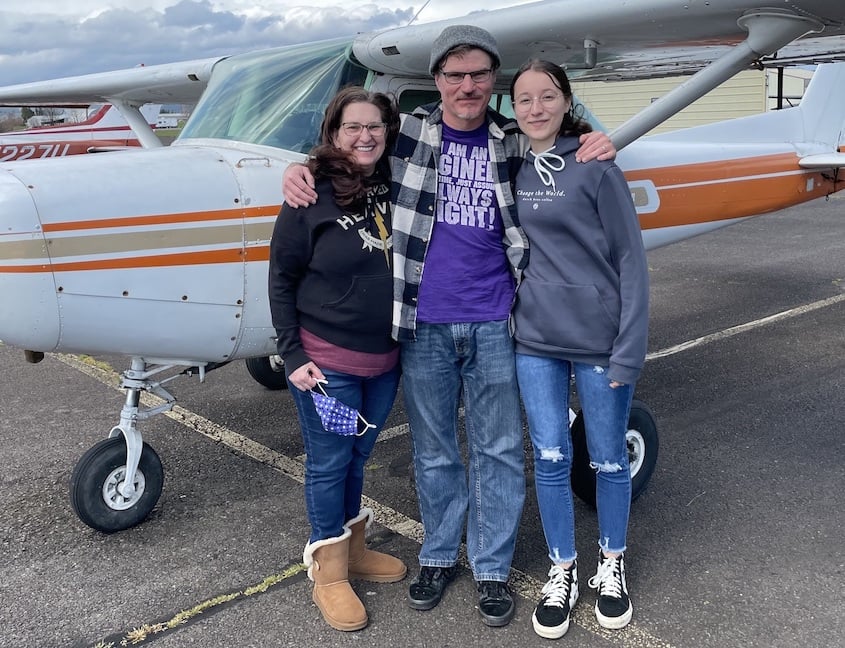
[32,151]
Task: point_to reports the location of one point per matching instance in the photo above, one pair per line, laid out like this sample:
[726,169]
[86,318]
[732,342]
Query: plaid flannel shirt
[414,196]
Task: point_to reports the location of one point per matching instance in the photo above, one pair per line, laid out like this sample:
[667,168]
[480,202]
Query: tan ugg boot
[327,562]
[367,564]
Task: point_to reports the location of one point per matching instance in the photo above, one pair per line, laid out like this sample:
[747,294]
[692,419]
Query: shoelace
[545,163]
[494,590]
[427,576]
[556,591]
[608,578]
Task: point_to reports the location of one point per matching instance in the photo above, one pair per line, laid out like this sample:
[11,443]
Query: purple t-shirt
[466,277]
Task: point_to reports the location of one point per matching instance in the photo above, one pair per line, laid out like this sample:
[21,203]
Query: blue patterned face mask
[338,417]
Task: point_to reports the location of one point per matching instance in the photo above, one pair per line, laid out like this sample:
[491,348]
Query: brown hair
[328,161]
[572,123]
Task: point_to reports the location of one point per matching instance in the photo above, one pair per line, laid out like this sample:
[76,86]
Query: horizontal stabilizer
[108,149]
[823,161]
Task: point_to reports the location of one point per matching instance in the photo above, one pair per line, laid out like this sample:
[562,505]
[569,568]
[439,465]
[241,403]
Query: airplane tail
[815,126]
[107,116]
[101,117]
[823,106]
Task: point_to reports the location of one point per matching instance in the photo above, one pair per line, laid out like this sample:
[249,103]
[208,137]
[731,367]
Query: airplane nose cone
[29,316]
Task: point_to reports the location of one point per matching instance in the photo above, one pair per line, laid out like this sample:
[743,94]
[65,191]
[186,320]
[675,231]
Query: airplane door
[259,180]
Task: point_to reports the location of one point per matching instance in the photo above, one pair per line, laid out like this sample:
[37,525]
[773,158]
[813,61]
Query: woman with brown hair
[330,289]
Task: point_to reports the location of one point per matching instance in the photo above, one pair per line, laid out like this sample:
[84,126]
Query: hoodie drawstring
[545,163]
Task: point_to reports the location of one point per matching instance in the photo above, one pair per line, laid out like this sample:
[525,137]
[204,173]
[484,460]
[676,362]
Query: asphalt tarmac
[736,541]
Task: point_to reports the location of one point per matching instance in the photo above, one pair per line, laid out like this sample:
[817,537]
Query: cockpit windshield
[274,97]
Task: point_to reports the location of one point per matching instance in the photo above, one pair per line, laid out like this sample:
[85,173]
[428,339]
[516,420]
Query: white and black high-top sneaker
[551,616]
[613,605]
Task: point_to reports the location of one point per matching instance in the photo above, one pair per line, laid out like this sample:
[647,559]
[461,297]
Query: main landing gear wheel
[94,486]
[262,371]
[643,445]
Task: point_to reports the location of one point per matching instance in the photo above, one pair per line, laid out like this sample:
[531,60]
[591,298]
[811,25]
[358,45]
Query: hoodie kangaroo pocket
[365,305]
[563,316]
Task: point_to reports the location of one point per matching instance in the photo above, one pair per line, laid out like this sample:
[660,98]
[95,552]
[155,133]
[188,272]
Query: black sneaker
[551,616]
[427,590]
[613,606]
[495,603]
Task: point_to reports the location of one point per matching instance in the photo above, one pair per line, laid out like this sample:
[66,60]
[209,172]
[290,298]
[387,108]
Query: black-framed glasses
[354,128]
[478,76]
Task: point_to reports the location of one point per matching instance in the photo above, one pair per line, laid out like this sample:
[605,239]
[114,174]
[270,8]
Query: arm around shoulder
[298,185]
[595,145]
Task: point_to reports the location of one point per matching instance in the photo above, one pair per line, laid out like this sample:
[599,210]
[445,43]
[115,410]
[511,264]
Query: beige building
[748,93]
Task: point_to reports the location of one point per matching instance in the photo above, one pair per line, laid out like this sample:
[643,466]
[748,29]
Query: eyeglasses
[354,128]
[547,99]
[479,76]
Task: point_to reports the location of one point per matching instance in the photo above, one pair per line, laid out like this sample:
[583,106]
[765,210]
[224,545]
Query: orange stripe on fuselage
[728,189]
[163,219]
[706,203]
[233,255]
[718,170]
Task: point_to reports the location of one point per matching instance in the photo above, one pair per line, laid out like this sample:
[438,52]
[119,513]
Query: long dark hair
[572,124]
[327,161]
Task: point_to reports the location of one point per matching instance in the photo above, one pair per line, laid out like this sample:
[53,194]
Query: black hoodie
[330,273]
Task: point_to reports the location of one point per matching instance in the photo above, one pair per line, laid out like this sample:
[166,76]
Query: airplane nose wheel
[642,442]
[95,486]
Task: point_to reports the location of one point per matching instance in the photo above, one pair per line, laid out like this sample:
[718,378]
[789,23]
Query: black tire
[263,373]
[643,446]
[93,493]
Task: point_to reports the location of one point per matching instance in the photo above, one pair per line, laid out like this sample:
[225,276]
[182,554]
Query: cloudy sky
[49,39]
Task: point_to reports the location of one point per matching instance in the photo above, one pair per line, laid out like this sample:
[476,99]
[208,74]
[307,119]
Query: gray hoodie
[584,295]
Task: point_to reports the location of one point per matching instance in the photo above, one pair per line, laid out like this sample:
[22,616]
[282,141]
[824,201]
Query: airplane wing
[624,39]
[178,83]
[608,40]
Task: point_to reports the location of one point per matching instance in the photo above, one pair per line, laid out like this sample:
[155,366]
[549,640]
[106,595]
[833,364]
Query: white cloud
[49,39]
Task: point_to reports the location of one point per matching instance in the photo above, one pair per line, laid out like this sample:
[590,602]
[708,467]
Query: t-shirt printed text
[466,191]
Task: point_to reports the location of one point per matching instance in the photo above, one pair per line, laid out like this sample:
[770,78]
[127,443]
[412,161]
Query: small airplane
[160,254]
[104,129]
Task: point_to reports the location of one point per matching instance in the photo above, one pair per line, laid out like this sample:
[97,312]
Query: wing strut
[768,30]
[132,114]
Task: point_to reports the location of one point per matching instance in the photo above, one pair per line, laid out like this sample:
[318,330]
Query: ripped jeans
[544,384]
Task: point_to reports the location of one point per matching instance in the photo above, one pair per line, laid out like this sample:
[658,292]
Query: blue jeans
[544,384]
[334,464]
[474,361]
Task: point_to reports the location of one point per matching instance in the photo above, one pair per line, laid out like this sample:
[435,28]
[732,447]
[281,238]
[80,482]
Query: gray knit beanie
[463,35]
